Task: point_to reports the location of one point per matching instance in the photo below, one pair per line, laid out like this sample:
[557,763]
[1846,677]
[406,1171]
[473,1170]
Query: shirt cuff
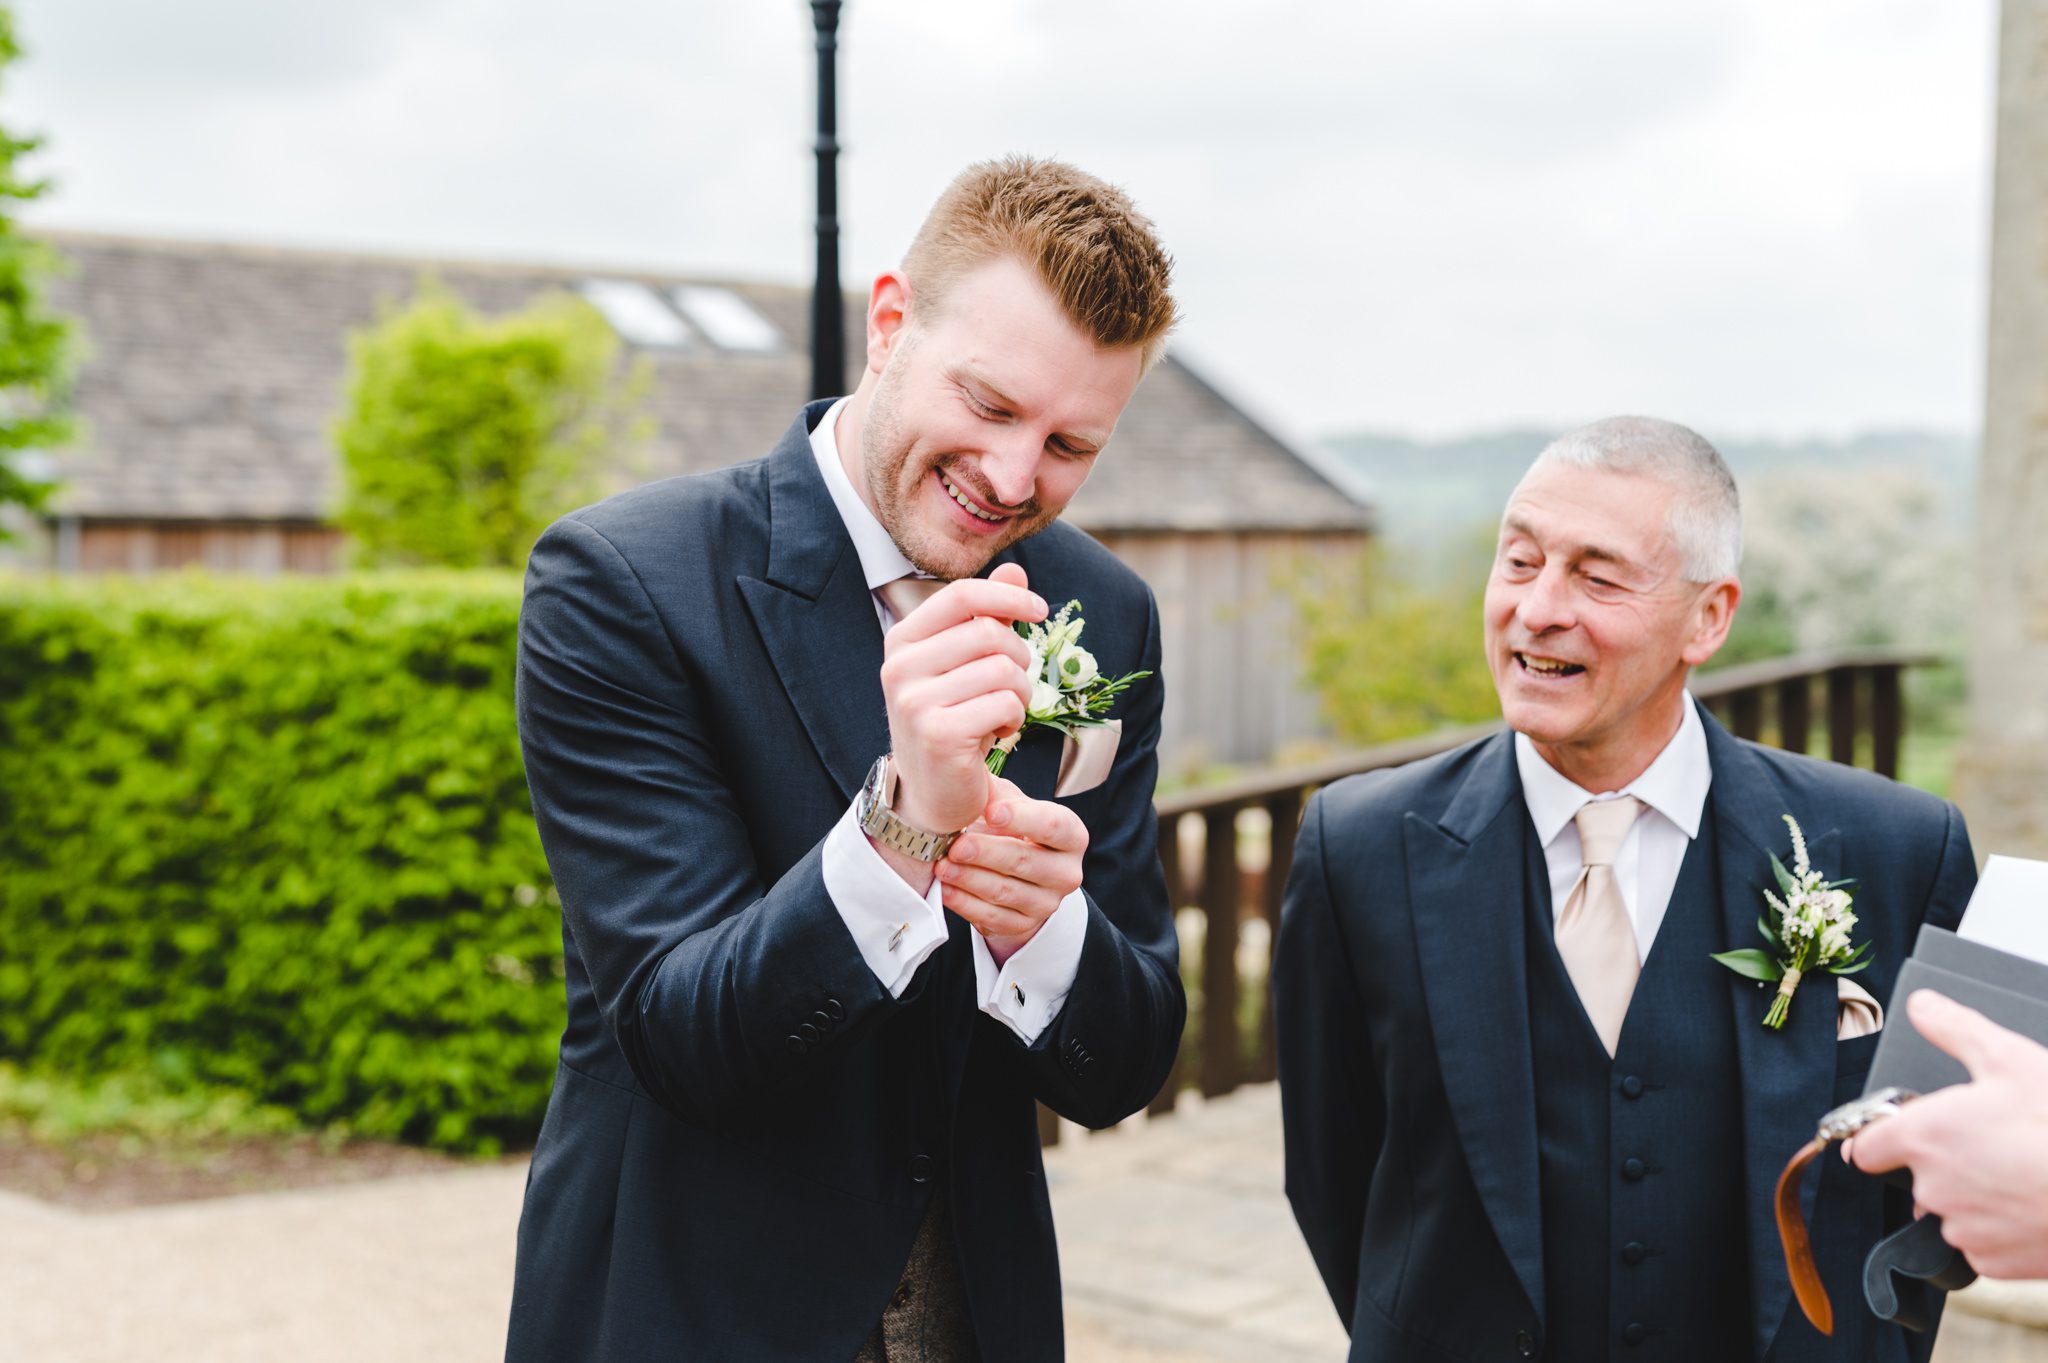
[894,927]
[1027,993]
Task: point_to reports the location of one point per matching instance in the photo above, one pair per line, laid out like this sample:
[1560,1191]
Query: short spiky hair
[1706,517]
[1089,244]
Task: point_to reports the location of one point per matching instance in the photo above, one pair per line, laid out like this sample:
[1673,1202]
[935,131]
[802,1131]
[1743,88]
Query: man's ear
[1712,617]
[888,314]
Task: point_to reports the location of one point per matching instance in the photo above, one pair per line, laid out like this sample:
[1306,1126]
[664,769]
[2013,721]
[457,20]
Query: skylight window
[729,320]
[637,313]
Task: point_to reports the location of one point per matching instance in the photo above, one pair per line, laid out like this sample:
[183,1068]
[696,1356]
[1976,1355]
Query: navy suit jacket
[1401,991]
[745,1127]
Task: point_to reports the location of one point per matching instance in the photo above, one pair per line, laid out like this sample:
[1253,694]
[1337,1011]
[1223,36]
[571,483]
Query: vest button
[1525,1344]
[920,1168]
[1632,1169]
[1633,1252]
[1634,1333]
[1632,1087]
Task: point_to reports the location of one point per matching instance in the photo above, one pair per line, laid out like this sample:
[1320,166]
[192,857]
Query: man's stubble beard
[886,454]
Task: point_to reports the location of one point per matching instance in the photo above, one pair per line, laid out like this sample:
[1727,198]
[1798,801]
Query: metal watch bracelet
[882,823]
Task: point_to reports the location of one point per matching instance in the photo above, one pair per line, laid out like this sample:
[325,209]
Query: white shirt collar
[880,560]
[1675,785]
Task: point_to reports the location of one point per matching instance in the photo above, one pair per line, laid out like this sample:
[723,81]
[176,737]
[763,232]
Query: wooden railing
[1226,848]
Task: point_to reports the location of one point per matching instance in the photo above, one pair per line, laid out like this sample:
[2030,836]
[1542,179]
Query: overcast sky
[1755,216]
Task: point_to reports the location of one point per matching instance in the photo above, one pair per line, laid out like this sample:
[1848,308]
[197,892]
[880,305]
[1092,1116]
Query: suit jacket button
[797,1045]
[1633,1252]
[1525,1344]
[807,1032]
[1634,1333]
[835,1010]
[1633,1169]
[920,1168]
[1632,1087]
[822,1021]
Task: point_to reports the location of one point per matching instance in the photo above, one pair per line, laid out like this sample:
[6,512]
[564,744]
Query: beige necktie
[1594,936]
[907,593]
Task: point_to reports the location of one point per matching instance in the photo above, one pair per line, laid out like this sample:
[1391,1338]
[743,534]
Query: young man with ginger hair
[821,965]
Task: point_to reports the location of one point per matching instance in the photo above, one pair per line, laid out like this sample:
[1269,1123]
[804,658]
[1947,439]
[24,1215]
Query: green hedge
[274,835]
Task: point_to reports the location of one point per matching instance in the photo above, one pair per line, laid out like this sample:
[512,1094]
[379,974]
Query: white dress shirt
[1674,792]
[894,927]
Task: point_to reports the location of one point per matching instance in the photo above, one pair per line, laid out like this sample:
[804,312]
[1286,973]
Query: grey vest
[926,1320]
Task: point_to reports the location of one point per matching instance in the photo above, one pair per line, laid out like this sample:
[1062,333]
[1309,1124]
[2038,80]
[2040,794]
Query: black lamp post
[828,325]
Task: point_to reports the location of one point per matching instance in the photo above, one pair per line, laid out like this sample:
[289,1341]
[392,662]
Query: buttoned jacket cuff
[894,927]
[1027,992]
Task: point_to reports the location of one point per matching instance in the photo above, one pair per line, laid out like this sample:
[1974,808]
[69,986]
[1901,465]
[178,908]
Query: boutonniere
[1068,691]
[1811,930]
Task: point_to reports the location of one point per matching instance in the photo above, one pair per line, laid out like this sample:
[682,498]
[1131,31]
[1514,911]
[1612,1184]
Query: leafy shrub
[464,436]
[135,1109]
[275,836]
[36,346]
[1389,652]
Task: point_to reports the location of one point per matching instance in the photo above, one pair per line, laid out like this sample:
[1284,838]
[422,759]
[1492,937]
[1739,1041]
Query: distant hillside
[1434,491]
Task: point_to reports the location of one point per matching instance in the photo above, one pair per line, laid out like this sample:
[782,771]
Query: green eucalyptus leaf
[1786,885]
[1751,964]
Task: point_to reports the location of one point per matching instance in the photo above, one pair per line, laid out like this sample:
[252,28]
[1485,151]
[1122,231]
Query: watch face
[871,789]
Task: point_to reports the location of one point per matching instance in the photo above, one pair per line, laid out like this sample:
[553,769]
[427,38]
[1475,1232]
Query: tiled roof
[214,374]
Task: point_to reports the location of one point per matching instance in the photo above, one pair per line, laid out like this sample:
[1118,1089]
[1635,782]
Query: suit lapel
[816,616]
[1466,874]
[1787,1075]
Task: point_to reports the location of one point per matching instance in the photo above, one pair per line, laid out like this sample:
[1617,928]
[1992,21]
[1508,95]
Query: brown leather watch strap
[1806,1284]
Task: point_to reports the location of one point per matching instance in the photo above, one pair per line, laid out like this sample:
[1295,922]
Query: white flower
[1035,669]
[1812,933]
[1801,867]
[1068,690]
[1075,667]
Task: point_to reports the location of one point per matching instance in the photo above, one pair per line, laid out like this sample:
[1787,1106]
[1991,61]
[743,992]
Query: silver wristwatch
[879,821]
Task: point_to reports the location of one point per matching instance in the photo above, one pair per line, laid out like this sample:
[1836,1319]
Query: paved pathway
[1175,1240]
[1175,1233]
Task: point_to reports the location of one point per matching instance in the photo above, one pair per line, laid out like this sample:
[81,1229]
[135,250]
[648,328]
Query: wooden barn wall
[228,547]
[1232,661]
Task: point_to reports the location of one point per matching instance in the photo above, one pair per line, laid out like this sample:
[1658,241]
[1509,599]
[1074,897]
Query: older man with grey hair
[1527,1113]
